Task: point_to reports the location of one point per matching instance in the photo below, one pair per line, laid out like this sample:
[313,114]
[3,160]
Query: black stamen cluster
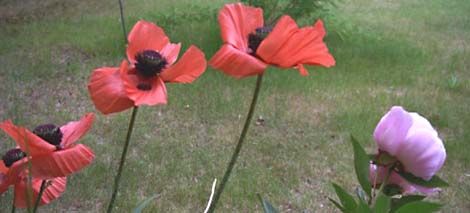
[150,63]
[144,86]
[255,39]
[50,133]
[12,156]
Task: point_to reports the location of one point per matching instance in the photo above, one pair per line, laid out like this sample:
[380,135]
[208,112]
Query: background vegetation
[402,52]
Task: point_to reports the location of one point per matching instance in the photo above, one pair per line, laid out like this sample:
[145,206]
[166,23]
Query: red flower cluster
[250,46]
[52,153]
[141,80]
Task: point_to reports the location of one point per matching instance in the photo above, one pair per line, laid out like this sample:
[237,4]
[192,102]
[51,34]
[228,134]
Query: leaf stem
[236,152]
[123,159]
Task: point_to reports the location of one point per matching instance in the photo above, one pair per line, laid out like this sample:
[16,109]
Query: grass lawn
[413,53]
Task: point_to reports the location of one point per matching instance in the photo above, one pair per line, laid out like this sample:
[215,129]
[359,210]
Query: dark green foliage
[399,202]
[347,201]
[435,181]
[361,165]
[297,9]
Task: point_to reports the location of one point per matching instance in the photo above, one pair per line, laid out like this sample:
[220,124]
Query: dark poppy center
[11,156]
[150,63]
[50,133]
[255,38]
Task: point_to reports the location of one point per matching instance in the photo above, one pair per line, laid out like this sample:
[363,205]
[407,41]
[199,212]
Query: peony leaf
[435,181]
[361,165]
[419,206]
[267,207]
[337,204]
[382,204]
[144,204]
[392,189]
[347,201]
[397,203]
[362,208]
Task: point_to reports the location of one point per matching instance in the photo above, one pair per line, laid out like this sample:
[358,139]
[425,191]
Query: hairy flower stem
[13,207]
[239,145]
[123,25]
[38,199]
[123,159]
[384,183]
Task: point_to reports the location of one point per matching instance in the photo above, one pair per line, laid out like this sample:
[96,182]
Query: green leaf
[419,206]
[382,204]
[144,203]
[434,182]
[337,204]
[392,189]
[267,207]
[361,165]
[348,202]
[363,208]
[385,159]
[397,203]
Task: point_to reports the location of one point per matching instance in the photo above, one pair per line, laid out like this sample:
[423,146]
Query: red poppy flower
[152,63]
[51,149]
[16,176]
[250,45]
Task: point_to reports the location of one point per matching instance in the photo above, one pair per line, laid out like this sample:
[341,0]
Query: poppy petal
[288,46]
[62,163]
[4,179]
[26,140]
[11,175]
[3,168]
[74,130]
[107,90]
[53,190]
[145,36]
[302,70]
[236,63]
[156,94]
[170,52]
[237,21]
[191,65]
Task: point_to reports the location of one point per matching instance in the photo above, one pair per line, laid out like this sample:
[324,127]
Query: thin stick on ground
[212,195]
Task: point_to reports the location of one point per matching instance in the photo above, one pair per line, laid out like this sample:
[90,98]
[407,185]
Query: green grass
[411,53]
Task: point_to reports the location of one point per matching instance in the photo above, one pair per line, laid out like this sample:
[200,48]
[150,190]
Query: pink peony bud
[411,139]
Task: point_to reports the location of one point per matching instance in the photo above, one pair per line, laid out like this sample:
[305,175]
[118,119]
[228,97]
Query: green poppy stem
[123,159]
[13,207]
[38,199]
[236,152]
[123,25]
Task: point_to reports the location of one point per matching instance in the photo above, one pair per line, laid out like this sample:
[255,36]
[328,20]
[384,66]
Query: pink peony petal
[422,153]
[392,129]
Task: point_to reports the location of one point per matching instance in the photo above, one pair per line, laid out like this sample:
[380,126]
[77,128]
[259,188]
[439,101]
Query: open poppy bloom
[51,149]
[152,63]
[412,141]
[249,45]
[17,176]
